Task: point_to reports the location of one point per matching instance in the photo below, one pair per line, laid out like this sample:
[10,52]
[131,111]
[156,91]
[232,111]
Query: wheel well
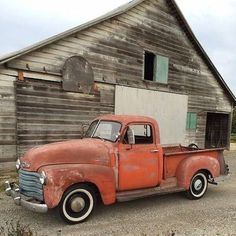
[96,190]
[207,173]
[91,185]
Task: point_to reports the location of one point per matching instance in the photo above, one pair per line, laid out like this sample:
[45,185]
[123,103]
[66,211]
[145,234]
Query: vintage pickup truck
[119,159]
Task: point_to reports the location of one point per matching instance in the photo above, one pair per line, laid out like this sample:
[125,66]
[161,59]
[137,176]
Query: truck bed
[175,149]
[173,155]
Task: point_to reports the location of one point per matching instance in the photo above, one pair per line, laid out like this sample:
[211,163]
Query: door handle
[154,151]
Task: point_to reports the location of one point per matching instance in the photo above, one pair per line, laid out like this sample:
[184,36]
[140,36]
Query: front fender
[191,165]
[61,177]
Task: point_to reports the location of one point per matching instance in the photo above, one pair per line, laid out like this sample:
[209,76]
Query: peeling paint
[117,168]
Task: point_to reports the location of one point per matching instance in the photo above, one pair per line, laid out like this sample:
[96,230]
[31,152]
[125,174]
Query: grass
[11,176]
[16,229]
[233,138]
[2,187]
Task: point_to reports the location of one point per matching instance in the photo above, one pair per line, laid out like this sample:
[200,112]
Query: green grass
[16,229]
[2,187]
[10,176]
[233,138]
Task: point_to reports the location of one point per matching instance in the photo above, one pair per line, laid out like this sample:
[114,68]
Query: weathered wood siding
[115,48]
[7,118]
[46,113]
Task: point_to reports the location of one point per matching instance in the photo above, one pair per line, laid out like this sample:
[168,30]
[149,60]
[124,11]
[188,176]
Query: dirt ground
[215,214]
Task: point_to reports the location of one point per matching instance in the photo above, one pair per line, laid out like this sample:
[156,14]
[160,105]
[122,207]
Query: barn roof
[117,12]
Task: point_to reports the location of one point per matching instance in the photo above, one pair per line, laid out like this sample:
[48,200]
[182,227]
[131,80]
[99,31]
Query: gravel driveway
[215,214]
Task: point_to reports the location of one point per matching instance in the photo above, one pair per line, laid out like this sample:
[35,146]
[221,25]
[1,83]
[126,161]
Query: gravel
[214,214]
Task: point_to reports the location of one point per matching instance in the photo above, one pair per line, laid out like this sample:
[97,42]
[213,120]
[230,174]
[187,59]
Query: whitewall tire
[77,204]
[198,186]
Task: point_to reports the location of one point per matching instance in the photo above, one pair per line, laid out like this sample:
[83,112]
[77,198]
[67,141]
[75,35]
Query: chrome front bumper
[12,189]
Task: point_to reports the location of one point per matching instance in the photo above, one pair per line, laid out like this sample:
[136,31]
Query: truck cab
[120,158]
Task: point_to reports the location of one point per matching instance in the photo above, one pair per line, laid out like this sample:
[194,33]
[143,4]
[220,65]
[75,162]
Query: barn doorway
[217,130]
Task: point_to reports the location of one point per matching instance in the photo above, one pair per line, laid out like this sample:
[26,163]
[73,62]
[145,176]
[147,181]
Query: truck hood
[84,151]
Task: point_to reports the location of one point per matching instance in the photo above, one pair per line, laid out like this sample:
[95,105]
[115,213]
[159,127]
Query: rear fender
[191,165]
[61,177]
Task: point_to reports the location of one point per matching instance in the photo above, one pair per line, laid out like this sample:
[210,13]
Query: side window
[156,68]
[142,134]
[191,121]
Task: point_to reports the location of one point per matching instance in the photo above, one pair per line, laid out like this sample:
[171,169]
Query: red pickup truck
[119,159]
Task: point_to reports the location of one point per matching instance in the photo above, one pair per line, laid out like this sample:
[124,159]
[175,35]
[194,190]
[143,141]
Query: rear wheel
[77,204]
[198,186]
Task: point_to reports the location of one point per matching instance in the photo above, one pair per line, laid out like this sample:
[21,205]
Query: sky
[25,22]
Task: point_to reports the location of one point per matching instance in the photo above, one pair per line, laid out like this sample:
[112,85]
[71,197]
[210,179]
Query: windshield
[107,130]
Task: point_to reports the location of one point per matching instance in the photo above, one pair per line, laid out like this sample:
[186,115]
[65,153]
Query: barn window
[191,121]
[156,68]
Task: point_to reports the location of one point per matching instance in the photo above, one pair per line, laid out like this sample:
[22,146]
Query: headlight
[42,177]
[18,164]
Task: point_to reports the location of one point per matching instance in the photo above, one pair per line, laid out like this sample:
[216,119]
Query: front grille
[30,185]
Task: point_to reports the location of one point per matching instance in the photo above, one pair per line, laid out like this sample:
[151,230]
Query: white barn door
[170,110]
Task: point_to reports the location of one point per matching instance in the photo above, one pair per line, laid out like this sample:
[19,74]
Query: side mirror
[84,129]
[131,138]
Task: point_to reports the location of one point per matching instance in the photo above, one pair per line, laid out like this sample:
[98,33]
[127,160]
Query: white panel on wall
[170,110]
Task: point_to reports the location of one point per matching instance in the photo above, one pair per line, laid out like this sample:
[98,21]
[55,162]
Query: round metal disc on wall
[77,74]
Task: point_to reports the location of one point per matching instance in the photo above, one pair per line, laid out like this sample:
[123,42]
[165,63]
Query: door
[217,130]
[138,163]
[167,108]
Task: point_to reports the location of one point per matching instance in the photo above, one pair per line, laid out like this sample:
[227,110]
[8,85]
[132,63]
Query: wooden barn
[141,58]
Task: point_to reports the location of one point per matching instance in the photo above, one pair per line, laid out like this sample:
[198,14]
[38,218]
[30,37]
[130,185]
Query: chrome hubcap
[198,184]
[77,204]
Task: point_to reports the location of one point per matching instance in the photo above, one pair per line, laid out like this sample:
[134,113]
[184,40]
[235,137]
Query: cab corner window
[142,134]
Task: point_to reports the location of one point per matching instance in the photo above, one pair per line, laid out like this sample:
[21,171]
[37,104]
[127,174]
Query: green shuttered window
[191,120]
[161,68]
[156,68]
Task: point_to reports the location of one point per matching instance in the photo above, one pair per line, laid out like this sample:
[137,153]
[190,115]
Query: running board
[136,194]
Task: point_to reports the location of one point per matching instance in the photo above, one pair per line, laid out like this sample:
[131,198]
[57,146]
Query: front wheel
[198,186]
[77,204]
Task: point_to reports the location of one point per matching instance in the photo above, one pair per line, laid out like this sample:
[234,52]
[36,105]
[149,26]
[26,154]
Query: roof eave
[217,74]
[109,15]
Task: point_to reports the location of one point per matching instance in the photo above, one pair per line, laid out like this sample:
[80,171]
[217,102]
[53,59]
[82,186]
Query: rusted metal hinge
[21,76]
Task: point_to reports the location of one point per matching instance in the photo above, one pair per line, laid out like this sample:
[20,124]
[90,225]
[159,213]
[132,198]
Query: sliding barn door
[170,110]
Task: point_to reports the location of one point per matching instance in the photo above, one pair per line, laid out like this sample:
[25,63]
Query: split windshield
[107,130]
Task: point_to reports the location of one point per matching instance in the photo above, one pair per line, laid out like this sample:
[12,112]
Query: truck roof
[125,119]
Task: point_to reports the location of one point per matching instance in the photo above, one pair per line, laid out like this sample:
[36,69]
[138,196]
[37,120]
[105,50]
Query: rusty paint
[21,75]
[126,120]
[118,169]
[61,177]
[95,87]
[138,167]
[85,151]
[191,165]
[176,155]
